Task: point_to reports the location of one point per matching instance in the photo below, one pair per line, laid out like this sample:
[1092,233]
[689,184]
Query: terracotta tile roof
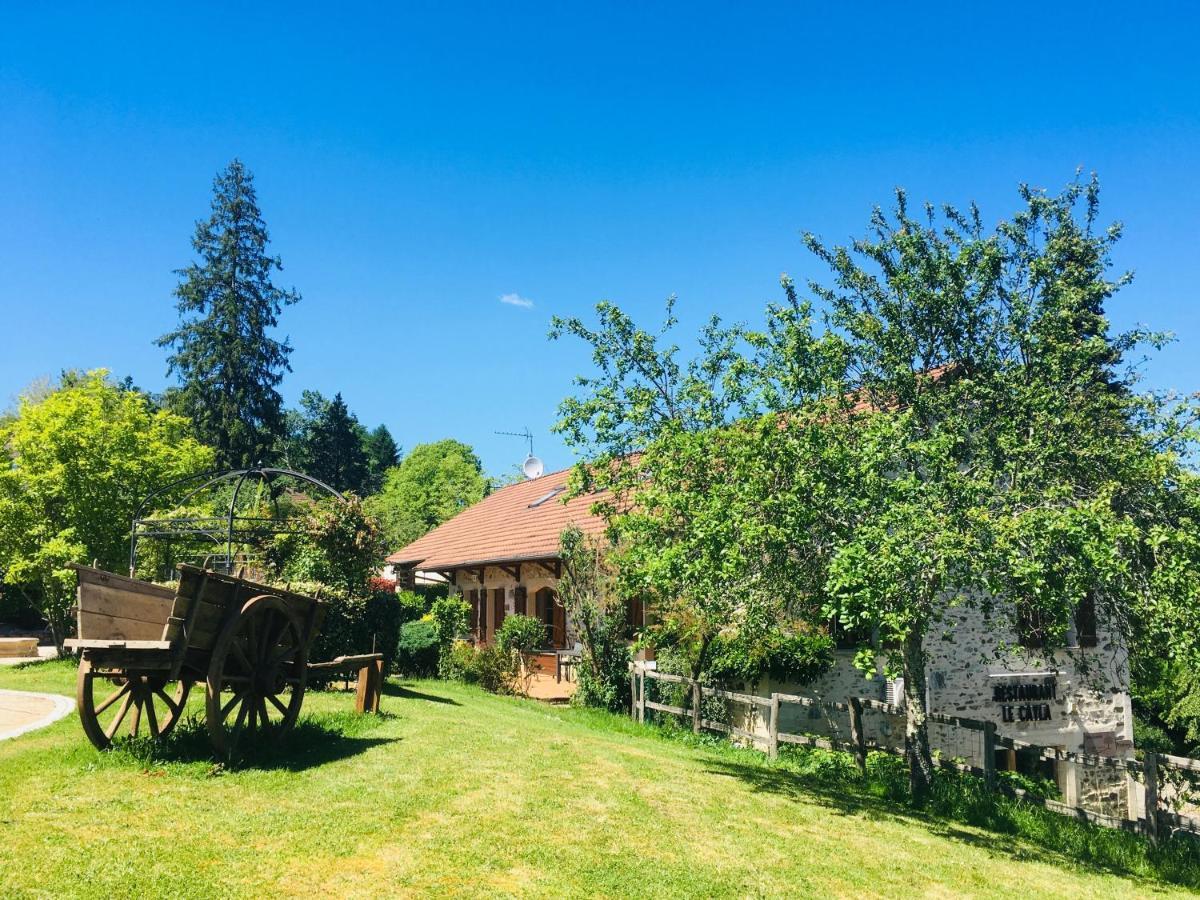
[507,526]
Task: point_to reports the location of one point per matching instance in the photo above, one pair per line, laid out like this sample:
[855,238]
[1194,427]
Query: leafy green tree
[228,364]
[79,462]
[432,484]
[588,591]
[950,425]
[685,536]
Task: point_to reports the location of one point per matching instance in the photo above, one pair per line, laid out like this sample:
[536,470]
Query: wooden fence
[1153,772]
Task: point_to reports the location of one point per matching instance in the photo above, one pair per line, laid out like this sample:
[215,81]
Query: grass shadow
[314,741]
[1007,827]
[392,689]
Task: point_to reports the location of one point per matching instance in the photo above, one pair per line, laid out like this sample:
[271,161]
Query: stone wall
[1075,700]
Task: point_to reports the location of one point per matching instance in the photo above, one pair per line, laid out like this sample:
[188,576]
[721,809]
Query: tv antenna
[532,467]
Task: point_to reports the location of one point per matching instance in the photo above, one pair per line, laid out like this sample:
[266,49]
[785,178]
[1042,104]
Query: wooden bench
[19,647]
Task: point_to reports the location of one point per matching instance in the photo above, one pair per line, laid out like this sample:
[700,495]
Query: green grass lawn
[458,792]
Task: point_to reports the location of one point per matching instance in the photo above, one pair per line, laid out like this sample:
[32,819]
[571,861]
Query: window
[849,638]
[635,617]
[1031,626]
[473,600]
[498,607]
[1085,621]
[545,498]
[552,615]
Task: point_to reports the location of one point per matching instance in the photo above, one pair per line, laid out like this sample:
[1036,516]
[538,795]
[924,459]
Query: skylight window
[554,492]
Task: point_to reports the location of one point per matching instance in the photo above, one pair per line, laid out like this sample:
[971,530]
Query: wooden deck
[547,688]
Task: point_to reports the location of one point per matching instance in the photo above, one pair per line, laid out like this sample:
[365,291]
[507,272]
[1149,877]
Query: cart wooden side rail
[370,677]
[144,647]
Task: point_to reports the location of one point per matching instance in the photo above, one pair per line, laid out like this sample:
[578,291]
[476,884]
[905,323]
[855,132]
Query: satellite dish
[532,467]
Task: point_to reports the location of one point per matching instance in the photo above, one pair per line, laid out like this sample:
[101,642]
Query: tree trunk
[701,654]
[916,734]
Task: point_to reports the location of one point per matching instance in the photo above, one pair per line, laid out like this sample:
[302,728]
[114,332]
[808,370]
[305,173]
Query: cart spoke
[151,718]
[241,655]
[116,722]
[237,698]
[263,718]
[279,706]
[241,716]
[138,700]
[113,698]
[166,698]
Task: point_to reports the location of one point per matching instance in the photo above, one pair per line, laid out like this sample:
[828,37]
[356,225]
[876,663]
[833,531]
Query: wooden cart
[144,646]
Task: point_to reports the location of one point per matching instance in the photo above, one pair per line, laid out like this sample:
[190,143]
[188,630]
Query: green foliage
[785,656]
[457,662]
[588,590]
[354,623]
[337,543]
[412,605]
[417,651]
[228,364]
[80,459]
[382,453]
[520,634]
[326,441]
[1150,738]
[432,484]
[493,669]
[950,424]
[451,616]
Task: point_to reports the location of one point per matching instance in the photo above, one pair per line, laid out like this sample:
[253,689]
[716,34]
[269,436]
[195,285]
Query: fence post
[989,755]
[695,707]
[633,690]
[1150,768]
[642,697]
[857,736]
[773,731]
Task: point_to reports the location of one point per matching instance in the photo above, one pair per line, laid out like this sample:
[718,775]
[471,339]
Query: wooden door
[559,623]
[544,603]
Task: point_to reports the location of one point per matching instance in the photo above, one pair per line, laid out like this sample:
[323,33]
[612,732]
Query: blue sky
[418,163]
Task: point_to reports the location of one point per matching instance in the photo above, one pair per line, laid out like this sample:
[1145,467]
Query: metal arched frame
[207,526]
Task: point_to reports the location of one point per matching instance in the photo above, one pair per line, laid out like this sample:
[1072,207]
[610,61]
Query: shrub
[787,656]
[520,634]
[412,605]
[450,618]
[458,662]
[355,624]
[602,675]
[496,670]
[417,649]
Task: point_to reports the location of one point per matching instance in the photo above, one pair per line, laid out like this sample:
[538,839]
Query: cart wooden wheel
[140,701]
[257,675]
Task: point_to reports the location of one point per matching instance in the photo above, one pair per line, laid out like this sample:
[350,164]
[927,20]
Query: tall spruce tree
[227,363]
[331,443]
[382,453]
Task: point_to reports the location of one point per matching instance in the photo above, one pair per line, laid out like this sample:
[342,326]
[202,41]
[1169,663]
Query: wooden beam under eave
[514,572]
